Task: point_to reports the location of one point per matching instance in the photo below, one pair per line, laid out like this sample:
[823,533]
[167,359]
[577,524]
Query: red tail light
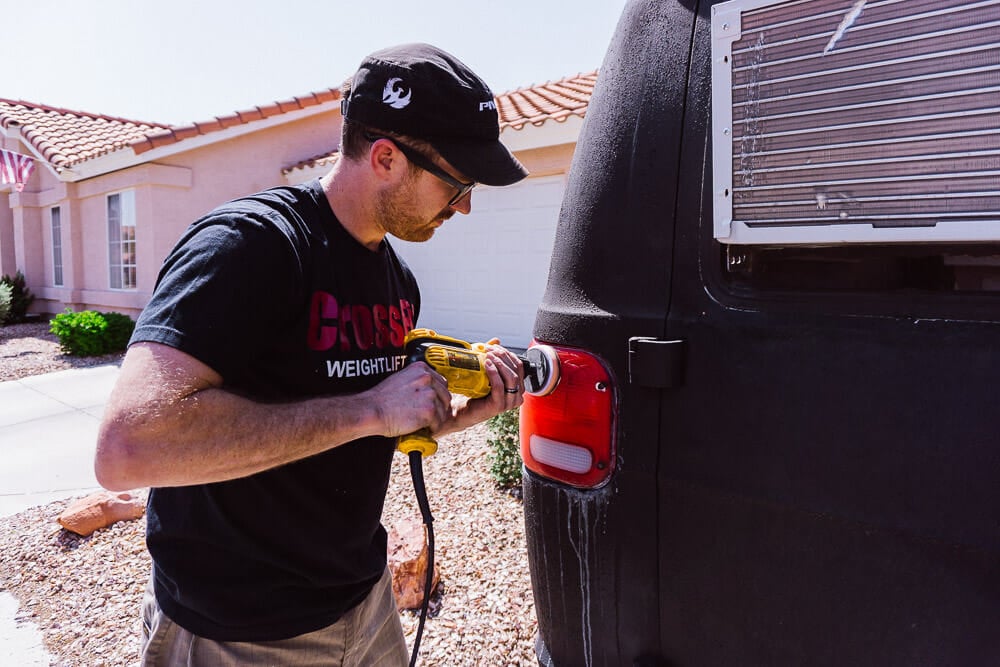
[568,435]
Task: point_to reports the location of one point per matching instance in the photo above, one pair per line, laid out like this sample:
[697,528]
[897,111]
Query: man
[263,386]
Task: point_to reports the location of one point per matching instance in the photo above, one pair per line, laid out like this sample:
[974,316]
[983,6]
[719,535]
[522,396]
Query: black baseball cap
[418,90]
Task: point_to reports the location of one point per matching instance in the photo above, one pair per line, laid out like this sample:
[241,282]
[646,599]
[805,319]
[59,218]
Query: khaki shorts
[369,634]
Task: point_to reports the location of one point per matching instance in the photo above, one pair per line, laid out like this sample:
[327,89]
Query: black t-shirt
[274,294]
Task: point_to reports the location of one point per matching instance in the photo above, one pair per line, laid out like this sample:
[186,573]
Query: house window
[57,261]
[121,240]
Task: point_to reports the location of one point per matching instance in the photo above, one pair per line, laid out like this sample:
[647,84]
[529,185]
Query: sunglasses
[425,163]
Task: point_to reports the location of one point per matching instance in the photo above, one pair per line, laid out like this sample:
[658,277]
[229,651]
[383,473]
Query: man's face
[414,209]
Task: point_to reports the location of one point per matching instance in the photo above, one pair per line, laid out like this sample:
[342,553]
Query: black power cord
[541,367]
[417,473]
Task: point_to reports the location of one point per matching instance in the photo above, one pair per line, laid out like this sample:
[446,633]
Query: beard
[395,213]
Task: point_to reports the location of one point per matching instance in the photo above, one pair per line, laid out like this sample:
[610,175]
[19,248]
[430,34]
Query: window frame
[55,229]
[122,264]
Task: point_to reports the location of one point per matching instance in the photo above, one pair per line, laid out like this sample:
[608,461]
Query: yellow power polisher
[463,365]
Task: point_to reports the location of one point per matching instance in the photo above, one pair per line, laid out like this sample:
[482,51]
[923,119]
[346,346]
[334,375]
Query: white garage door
[483,275]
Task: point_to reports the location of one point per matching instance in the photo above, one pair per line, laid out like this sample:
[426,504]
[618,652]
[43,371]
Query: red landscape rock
[100,510]
[407,555]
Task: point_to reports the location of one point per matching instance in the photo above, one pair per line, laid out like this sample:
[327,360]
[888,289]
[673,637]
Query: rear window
[839,121]
[971,269]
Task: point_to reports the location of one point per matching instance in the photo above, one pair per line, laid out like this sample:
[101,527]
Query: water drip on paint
[584,512]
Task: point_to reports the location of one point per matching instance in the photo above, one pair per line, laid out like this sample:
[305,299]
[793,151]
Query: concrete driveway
[48,430]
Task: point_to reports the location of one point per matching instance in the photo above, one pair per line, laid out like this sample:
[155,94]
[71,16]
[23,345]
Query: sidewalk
[48,430]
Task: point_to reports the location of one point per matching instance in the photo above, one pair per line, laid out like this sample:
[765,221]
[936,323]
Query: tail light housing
[568,435]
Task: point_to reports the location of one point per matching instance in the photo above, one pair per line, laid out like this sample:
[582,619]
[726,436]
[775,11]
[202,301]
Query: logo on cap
[396,93]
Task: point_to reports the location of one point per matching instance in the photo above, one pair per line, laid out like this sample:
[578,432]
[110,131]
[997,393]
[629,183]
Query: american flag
[15,168]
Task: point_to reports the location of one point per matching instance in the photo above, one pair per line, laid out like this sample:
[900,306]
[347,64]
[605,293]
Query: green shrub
[89,333]
[505,449]
[119,330]
[80,334]
[5,297]
[20,298]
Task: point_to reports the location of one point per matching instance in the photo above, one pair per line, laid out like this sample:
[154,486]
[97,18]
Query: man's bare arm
[168,422]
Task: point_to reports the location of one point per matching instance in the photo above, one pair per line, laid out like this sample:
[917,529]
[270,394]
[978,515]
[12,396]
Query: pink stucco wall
[170,193]
[173,186]
[7,264]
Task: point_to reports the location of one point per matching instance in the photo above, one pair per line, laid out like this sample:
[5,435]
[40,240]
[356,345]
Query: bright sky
[186,60]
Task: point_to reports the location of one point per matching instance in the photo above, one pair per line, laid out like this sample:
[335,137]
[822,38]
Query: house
[110,196]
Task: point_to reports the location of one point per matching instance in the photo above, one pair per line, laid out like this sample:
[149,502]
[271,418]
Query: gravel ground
[84,593]
[29,349]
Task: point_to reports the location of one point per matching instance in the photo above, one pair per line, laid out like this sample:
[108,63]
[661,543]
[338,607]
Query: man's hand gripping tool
[463,365]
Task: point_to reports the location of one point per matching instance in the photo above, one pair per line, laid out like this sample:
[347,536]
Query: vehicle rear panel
[821,488]
[594,552]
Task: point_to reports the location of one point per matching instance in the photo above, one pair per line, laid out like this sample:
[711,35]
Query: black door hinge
[654,363]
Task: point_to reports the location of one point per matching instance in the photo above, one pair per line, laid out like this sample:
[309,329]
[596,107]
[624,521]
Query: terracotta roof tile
[179,133]
[229,121]
[324,160]
[64,137]
[250,115]
[327,95]
[554,100]
[206,126]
